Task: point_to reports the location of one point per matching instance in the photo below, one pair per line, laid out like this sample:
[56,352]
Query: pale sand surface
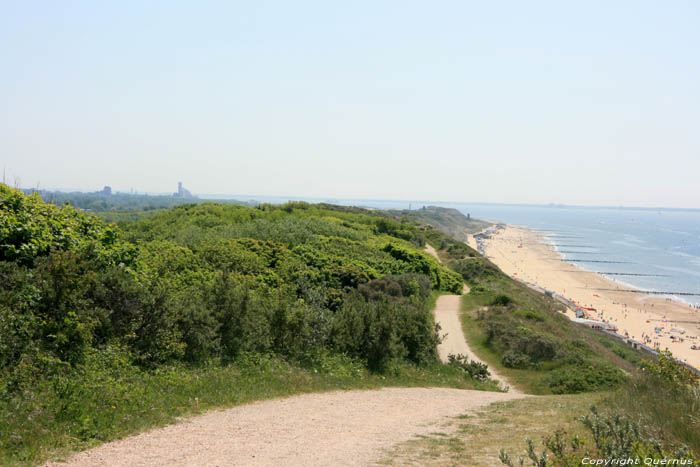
[430,250]
[447,311]
[447,315]
[634,314]
[345,428]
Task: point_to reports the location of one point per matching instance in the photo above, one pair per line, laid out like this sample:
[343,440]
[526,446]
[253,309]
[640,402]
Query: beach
[656,321]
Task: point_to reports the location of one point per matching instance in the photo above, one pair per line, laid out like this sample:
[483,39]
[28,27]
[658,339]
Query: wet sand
[522,254]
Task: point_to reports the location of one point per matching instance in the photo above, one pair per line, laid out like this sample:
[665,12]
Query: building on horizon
[182,192]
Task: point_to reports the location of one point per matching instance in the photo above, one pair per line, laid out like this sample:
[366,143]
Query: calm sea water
[665,244]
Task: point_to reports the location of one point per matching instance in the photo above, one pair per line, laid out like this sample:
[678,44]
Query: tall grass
[666,411]
[108,398]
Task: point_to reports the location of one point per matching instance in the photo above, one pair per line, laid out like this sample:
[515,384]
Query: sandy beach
[522,254]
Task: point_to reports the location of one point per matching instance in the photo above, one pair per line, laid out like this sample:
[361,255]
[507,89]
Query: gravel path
[432,251]
[447,312]
[345,428]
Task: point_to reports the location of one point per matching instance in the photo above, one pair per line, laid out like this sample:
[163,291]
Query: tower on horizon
[182,192]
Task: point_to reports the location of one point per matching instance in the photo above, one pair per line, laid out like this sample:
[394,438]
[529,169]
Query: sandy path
[432,251]
[447,314]
[345,428]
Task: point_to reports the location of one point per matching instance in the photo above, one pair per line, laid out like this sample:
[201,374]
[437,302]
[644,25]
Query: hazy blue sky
[589,102]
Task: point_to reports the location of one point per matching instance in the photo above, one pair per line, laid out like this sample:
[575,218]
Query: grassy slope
[529,309]
[475,439]
[661,402]
[603,349]
[447,220]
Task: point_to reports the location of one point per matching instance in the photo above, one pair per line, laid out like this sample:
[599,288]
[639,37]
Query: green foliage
[30,229]
[447,220]
[476,271]
[211,281]
[121,206]
[584,377]
[526,332]
[667,369]
[416,262]
[664,399]
[526,339]
[385,320]
[474,369]
[612,437]
[94,318]
[501,300]
[529,314]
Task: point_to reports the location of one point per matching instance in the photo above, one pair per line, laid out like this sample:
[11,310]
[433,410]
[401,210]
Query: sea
[656,250]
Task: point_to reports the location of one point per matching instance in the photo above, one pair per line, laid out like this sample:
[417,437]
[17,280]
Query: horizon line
[330,199]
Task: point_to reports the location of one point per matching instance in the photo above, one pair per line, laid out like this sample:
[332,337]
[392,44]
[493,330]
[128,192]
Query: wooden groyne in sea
[571,246]
[617,273]
[646,292]
[594,261]
[580,252]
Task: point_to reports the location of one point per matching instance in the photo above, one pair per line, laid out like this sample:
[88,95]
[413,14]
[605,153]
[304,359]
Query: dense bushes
[30,229]
[208,281]
[584,377]
[386,321]
[475,270]
[93,316]
[526,340]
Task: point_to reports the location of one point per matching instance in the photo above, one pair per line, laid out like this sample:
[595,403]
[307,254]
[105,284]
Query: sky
[591,103]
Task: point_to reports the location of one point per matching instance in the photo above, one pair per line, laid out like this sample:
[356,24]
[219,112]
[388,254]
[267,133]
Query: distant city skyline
[595,103]
[367,202]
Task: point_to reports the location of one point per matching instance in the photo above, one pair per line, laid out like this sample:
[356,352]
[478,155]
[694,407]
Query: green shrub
[387,319]
[527,314]
[584,378]
[475,270]
[513,359]
[664,400]
[30,229]
[612,438]
[501,300]
[474,369]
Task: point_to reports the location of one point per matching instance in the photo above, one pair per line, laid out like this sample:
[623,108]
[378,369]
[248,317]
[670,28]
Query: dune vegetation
[646,407]
[106,330]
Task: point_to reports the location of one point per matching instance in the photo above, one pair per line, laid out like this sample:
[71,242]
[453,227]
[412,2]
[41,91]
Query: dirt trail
[348,428]
[447,312]
[432,251]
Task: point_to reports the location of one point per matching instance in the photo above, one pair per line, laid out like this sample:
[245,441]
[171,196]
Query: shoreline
[650,320]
